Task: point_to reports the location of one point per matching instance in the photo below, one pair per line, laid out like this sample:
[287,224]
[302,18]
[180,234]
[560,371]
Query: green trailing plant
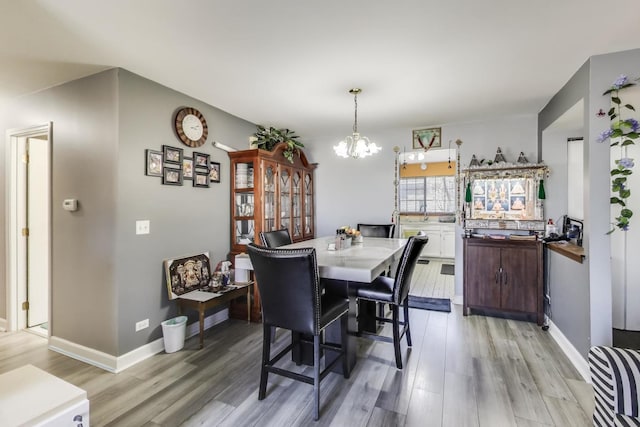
[268,138]
[622,132]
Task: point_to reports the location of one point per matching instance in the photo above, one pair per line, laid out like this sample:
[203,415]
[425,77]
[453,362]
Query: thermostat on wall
[70,205]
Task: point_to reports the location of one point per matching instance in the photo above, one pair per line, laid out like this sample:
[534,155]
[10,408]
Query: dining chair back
[292,298]
[395,292]
[274,239]
[376,230]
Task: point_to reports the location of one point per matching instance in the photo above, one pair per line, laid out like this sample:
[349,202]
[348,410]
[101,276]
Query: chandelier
[356,145]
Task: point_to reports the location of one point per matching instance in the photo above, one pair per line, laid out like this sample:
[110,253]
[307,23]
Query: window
[575,178]
[428,195]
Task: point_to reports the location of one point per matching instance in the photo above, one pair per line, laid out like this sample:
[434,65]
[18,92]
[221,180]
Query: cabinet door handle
[497,273]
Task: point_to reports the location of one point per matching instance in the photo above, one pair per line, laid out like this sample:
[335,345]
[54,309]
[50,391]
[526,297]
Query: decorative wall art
[192,273]
[173,167]
[214,172]
[172,154]
[427,138]
[153,164]
[200,179]
[187,168]
[200,160]
[171,176]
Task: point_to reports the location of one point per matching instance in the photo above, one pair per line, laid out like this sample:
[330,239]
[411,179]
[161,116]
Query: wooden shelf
[567,249]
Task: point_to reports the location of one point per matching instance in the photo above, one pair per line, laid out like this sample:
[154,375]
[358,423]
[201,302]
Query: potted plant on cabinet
[268,138]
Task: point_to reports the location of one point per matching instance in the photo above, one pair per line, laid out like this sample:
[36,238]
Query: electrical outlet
[143,226]
[143,324]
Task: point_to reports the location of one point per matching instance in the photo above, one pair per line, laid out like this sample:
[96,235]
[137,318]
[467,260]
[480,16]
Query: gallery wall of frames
[174,168]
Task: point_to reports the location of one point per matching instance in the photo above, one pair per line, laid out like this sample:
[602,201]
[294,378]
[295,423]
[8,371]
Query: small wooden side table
[202,301]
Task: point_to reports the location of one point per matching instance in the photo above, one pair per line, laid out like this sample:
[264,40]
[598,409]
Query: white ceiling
[290,63]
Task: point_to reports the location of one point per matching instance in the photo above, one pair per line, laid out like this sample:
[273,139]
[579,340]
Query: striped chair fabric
[615,375]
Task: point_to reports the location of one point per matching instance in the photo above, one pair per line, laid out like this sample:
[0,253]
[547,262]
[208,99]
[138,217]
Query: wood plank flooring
[428,282]
[461,371]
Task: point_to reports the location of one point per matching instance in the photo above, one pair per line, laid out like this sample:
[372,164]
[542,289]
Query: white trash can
[173,332]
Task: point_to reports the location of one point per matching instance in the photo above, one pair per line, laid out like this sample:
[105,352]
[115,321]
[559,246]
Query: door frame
[14,257]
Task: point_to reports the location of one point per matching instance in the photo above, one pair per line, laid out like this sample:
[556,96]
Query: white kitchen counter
[30,396]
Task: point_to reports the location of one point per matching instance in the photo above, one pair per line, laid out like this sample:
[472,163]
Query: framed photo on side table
[172,154]
[214,172]
[172,176]
[153,163]
[430,138]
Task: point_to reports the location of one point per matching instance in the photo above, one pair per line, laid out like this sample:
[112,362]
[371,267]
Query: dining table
[343,271]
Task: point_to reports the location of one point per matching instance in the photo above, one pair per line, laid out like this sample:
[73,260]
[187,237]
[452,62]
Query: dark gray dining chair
[274,239]
[292,298]
[376,230]
[395,292]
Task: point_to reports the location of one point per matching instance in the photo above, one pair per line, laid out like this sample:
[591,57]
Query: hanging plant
[268,138]
[622,132]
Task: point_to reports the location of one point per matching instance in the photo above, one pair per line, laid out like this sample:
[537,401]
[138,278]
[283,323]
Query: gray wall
[568,280]
[84,165]
[184,220]
[582,303]
[105,278]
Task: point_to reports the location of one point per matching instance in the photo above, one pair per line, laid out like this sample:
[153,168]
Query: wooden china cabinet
[268,193]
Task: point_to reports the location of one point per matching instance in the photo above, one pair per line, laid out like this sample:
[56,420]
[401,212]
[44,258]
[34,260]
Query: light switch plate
[143,226]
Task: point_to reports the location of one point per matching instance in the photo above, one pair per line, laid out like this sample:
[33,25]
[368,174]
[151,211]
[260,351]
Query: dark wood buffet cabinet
[268,193]
[504,276]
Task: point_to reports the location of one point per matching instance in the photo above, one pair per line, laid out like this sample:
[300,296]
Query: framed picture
[200,160]
[187,274]
[427,138]
[153,163]
[172,154]
[172,176]
[214,172]
[187,168]
[200,179]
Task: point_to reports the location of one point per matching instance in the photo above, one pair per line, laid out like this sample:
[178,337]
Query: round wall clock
[191,127]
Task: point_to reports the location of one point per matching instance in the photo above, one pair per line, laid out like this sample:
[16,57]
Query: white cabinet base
[441,238]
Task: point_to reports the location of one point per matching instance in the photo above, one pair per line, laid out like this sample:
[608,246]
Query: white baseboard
[576,359]
[3,325]
[457,300]
[117,364]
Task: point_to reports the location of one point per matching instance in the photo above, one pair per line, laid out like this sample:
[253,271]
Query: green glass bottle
[467,195]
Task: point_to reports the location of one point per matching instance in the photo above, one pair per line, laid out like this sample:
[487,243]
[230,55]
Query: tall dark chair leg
[406,321]
[396,334]
[344,323]
[316,377]
[266,353]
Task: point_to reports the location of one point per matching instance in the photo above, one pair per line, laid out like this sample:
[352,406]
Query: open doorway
[427,205]
[29,231]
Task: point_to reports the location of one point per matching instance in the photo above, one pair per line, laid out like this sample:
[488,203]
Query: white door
[38,188]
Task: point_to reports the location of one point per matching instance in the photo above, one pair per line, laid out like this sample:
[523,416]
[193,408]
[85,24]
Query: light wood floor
[461,371]
[428,282]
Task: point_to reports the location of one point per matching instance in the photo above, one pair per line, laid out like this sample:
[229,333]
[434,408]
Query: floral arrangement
[622,132]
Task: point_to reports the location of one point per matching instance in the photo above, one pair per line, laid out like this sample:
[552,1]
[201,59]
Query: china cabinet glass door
[269,194]
[285,198]
[308,205]
[244,206]
[296,205]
